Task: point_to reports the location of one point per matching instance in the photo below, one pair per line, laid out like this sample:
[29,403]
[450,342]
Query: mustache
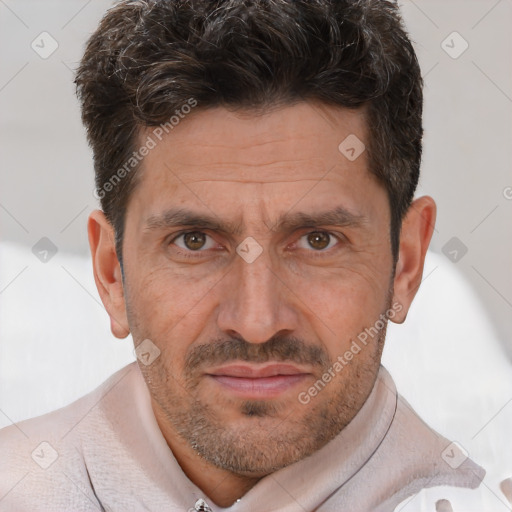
[282,349]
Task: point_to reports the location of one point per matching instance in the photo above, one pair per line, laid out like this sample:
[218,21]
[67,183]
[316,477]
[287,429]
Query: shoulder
[42,459]
[416,458]
[409,457]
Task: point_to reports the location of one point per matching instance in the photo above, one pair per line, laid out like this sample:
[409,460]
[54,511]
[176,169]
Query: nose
[256,304]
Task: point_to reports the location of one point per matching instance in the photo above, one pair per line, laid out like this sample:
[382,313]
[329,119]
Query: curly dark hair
[148,58]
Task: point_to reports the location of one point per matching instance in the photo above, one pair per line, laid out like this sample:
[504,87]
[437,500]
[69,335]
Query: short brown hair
[148,58]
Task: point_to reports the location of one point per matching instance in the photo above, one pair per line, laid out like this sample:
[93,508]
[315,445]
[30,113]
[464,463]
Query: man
[256,163]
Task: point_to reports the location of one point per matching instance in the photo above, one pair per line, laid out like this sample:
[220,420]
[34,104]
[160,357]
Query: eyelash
[197,254]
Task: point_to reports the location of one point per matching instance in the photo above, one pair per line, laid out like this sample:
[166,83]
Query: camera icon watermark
[454,45]
[249,249]
[44,455]
[352,147]
[454,455]
[146,352]
[44,250]
[44,45]
[454,249]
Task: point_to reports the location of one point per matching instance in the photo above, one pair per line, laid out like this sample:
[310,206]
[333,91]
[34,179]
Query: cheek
[169,308]
[340,306]
[166,294]
[343,291]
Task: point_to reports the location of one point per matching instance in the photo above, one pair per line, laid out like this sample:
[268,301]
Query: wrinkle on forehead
[226,161]
[300,133]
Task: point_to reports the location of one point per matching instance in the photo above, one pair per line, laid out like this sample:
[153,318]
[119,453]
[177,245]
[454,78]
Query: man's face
[251,304]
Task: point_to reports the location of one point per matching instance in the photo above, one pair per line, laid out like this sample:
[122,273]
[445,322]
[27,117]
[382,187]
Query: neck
[220,486]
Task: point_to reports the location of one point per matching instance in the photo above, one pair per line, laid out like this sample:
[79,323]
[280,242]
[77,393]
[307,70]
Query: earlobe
[107,272]
[415,235]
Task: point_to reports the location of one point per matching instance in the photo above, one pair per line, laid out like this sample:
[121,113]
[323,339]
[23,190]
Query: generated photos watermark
[152,140]
[344,359]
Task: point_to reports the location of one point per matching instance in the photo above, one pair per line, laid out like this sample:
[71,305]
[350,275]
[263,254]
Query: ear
[417,228]
[107,272]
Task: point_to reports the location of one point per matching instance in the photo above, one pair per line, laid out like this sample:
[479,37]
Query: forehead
[242,154]
[239,144]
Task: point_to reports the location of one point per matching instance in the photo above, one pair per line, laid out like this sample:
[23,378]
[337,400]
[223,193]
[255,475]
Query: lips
[258,382]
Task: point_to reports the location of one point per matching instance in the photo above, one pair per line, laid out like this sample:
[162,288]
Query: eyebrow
[176,217]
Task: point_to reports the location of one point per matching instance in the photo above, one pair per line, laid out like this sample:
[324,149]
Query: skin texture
[302,301]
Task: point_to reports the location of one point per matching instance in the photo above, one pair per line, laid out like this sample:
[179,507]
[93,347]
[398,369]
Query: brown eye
[318,240]
[320,243]
[194,240]
[192,244]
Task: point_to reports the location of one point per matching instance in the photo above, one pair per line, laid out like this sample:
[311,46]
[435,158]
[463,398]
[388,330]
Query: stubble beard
[272,435]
